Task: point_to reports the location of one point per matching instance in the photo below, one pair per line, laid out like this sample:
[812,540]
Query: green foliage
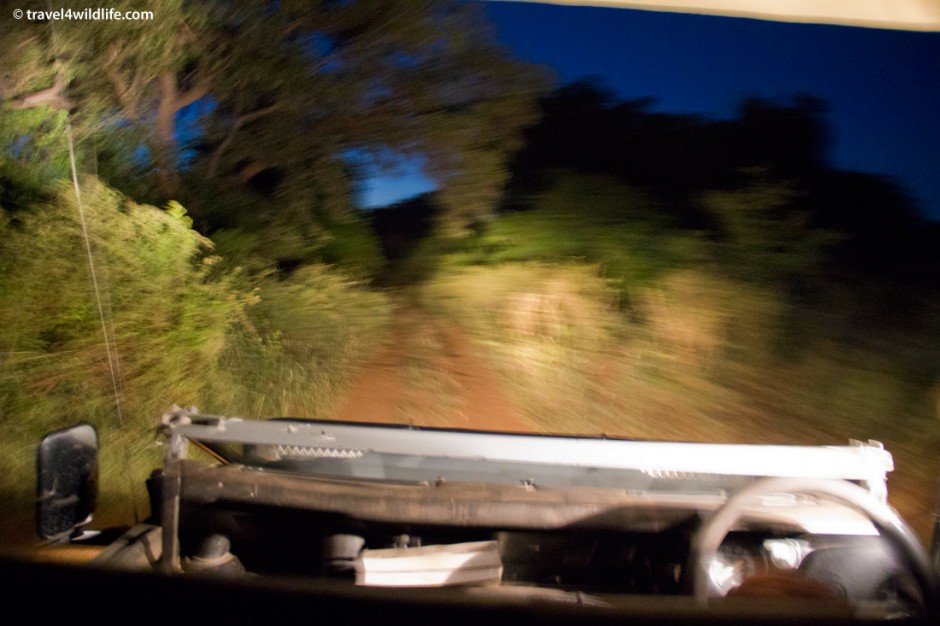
[315,327]
[264,238]
[282,96]
[352,246]
[168,316]
[261,232]
[182,327]
[33,154]
[158,288]
[696,361]
[764,237]
[591,219]
[430,255]
[732,333]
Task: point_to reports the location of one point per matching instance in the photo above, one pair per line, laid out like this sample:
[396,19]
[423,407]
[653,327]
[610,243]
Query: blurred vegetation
[759,297]
[259,118]
[183,326]
[262,116]
[649,275]
[34,155]
[701,355]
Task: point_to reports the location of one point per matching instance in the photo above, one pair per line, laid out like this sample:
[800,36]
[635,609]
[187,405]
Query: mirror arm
[170,510]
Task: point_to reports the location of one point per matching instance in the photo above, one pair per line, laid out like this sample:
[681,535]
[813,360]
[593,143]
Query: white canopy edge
[922,15]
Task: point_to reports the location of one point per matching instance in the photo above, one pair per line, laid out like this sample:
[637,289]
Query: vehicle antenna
[110,341]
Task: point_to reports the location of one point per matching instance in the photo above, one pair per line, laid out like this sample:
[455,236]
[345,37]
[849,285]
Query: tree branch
[121,89]
[188,97]
[52,97]
[240,120]
[258,113]
[249,171]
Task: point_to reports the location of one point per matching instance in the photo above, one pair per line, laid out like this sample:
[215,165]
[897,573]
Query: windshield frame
[471,455]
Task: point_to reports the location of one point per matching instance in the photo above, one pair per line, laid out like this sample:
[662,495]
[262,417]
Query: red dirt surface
[429,373]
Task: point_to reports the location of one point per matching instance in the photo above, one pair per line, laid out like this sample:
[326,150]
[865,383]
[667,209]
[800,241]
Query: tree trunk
[164,139]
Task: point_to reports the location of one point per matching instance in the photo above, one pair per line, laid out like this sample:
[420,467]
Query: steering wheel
[890,526]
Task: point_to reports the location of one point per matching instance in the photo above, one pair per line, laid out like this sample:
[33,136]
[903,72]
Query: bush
[593,219]
[168,314]
[313,329]
[181,327]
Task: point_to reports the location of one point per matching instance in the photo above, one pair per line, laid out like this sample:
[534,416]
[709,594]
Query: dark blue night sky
[882,87]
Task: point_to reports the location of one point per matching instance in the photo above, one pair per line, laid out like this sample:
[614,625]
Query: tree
[282,98]
[765,235]
[791,138]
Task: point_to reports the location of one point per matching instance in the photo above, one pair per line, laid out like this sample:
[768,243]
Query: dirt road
[429,373]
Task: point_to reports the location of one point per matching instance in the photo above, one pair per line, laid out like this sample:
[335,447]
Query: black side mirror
[66,481]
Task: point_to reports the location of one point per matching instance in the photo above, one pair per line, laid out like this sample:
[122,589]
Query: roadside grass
[697,357]
[569,355]
[182,328]
[310,332]
[430,388]
[300,371]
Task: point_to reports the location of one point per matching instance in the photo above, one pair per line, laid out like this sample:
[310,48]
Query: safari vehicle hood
[574,478]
